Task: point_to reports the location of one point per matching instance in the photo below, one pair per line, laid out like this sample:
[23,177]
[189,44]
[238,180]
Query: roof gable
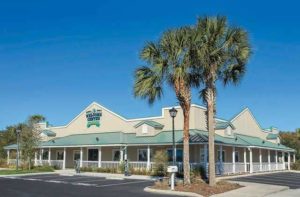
[151,123]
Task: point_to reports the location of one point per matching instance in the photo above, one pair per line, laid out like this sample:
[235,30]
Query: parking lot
[289,179]
[58,185]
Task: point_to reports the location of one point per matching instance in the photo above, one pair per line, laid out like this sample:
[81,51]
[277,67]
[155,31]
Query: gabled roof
[151,123]
[49,133]
[243,111]
[223,124]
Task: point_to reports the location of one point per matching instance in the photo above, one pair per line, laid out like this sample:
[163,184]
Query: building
[99,137]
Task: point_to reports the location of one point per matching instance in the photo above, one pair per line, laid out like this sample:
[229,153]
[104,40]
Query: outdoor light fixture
[18,131]
[173,112]
[97,139]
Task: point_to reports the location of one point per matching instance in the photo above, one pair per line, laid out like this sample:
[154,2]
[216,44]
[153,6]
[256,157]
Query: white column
[121,154]
[289,161]
[283,159]
[276,159]
[205,154]
[35,158]
[294,157]
[175,153]
[148,158]
[64,161]
[269,161]
[49,156]
[233,159]
[245,159]
[260,160]
[221,159]
[7,157]
[81,157]
[99,157]
[40,159]
[250,160]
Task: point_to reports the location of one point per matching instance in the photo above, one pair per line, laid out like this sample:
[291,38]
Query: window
[116,155]
[237,156]
[45,155]
[179,155]
[145,128]
[59,155]
[223,156]
[92,154]
[142,154]
[76,155]
[228,131]
[202,155]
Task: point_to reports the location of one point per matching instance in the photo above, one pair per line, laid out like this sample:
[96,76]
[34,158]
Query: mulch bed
[199,187]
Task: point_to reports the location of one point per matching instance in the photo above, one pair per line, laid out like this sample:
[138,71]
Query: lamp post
[18,131]
[173,169]
[173,113]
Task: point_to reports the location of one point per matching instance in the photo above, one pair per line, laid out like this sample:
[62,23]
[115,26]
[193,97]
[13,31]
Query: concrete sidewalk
[71,172]
[254,190]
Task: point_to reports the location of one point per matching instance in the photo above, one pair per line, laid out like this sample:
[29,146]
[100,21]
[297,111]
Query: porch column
[99,157]
[260,160]
[81,157]
[205,155]
[205,160]
[245,159]
[269,161]
[64,161]
[221,159]
[49,156]
[35,158]
[40,160]
[283,159]
[7,157]
[121,154]
[233,159]
[250,160]
[148,158]
[276,159]
[294,157]
[289,161]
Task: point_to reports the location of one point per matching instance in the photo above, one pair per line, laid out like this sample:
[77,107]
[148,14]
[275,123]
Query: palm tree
[168,62]
[220,54]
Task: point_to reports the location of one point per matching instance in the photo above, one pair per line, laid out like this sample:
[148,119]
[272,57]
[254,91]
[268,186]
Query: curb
[169,192]
[27,174]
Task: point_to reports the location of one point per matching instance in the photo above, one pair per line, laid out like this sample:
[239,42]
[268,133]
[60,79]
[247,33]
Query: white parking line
[127,183]
[94,180]
[84,184]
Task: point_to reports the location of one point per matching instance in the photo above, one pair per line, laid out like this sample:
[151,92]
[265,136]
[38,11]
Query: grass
[26,171]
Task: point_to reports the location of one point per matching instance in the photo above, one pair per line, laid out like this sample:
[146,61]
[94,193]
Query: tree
[168,62]
[30,137]
[292,140]
[220,53]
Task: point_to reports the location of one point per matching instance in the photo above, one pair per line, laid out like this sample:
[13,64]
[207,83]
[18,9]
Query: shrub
[296,165]
[198,173]
[160,163]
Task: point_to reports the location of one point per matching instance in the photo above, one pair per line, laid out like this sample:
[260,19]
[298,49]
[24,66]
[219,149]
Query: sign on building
[93,117]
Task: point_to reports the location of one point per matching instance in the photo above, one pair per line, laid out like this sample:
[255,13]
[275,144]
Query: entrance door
[76,155]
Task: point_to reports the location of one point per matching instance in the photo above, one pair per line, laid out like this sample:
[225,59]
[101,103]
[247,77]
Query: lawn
[26,171]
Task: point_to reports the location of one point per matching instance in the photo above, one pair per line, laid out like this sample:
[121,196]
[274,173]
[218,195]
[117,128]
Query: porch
[229,159]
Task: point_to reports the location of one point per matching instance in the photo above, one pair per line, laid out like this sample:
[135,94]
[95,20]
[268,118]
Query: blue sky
[56,57]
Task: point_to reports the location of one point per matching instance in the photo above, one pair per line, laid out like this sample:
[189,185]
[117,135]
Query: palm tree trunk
[186,146]
[211,137]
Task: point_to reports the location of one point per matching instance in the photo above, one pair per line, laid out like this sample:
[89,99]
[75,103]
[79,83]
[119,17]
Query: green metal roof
[49,133]
[223,125]
[272,136]
[256,141]
[150,123]
[164,137]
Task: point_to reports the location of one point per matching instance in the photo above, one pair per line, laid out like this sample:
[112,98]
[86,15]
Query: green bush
[296,165]
[160,163]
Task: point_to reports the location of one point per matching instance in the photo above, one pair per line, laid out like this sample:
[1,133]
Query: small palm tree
[220,53]
[168,61]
